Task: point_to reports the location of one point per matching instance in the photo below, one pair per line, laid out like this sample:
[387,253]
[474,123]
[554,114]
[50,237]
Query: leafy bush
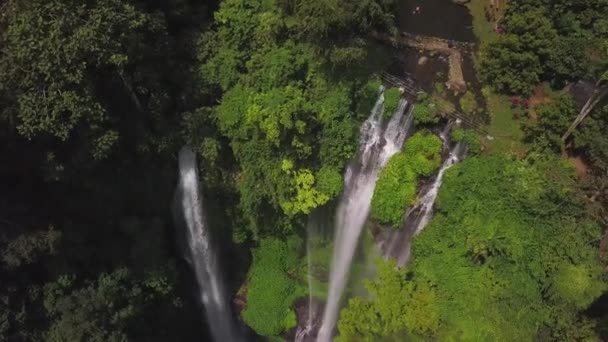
[473,143]
[439,88]
[368,96]
[423,150]
[396,186]
[553,120]
[468,103]
[457,134]
[304,196]
[392,96]
[271,291]
[395,306]
[329,181]
[105,309]
[577,284]
[514,62]
[425,110]
[395,190]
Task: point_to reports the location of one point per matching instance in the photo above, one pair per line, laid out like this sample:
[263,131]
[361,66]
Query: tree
[590,139]
[508,67]
[104,310]
[515,62]
[285,97]
[552,119]
[59,62]
[395,305]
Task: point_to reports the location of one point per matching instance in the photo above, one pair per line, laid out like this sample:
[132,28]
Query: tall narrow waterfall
[378,143]
[200,250]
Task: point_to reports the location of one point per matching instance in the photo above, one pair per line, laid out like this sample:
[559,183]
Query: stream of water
[396,244]
[378,142]
[200,251]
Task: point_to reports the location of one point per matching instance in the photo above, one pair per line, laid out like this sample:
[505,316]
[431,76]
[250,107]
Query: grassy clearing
[504,127]
[506,130]
[482,28]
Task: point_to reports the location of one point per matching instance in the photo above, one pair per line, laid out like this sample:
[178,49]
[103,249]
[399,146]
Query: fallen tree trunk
[598,94]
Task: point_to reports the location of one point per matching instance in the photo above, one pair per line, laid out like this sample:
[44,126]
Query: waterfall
[378,143]
[303,331]
[428,200]
[419,215]
[200,250]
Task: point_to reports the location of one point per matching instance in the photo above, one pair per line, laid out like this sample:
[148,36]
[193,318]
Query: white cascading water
[303,331]
[202,255]
[377,146]
[428,201]
[418,216]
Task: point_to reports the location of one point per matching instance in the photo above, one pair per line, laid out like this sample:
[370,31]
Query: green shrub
[577,285]
[471,138]
[439,88]
[395,190]
[396,186]
[329,181]
[271,291]
[457,134]
[392,96]
[423,151]
[425,110]
[468,103]
[369,95]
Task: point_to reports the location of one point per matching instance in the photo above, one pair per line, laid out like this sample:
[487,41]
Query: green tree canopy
[271,288]
[510,255]
[59,61]
[284,101]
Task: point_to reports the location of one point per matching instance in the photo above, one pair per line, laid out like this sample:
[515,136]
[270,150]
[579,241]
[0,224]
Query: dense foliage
[95,100]
[271,290]
[425,110]
[398,181]
[553,120]
[511,255]
[283,109]
[101,311]
[397,305]
[550,40]
[97,97]
[391,101]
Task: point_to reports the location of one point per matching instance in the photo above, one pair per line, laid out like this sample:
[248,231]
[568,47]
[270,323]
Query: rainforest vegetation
[97,97]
